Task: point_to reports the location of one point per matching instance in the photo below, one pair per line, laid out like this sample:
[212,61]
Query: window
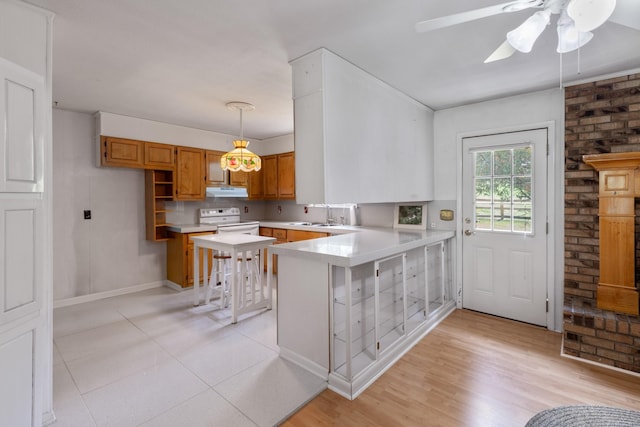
[503,190]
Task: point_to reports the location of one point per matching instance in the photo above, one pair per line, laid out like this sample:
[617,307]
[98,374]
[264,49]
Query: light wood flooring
[475,370]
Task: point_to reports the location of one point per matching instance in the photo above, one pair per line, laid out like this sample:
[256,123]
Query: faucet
[330,219]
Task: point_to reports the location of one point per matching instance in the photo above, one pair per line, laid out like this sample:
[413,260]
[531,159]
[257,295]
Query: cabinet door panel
[122,152]
[158,156]
[270,174]
[215,174]
[21,141]
[286,176]
[190,174]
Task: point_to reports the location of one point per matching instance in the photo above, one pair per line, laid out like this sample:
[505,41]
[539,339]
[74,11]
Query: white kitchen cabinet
[380,309]
[357,139]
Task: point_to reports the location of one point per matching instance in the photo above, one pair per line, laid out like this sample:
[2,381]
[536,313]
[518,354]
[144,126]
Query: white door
[504,214]
[24,340]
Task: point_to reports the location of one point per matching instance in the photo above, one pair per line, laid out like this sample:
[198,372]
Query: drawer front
[280,234]
[266,231]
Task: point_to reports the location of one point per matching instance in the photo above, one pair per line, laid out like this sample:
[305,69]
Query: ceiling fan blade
[627,13]
[472,15]
[503,51]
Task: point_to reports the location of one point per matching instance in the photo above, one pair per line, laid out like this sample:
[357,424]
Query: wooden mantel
[618,188]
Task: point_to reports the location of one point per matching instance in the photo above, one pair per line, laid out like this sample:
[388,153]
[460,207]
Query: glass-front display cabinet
[380,308]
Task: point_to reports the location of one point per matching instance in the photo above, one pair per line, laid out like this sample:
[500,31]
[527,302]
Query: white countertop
[192,228]
[289,225]
[299,225]
[369,244]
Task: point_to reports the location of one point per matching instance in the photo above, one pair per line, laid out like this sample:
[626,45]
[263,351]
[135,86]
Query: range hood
[227,192]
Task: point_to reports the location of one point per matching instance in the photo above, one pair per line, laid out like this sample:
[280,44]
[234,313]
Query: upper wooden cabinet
[270,176]
[158,156]
[215,175]
[121,152]
[256,184]
[239,179]
[278,176]
[189,174]
[131,153]
[286,176]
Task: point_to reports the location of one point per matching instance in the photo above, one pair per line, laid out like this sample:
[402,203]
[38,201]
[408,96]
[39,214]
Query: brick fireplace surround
[600,117]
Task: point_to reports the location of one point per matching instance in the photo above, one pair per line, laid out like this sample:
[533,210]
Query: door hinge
[377,273]
[378,345]
[547,306]
[547,228]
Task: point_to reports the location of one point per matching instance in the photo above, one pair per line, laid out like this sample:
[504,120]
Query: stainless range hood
[216,192]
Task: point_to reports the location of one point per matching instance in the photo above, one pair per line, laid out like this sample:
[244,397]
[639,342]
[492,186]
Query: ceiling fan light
[569,37]
[590,14]
[523,37]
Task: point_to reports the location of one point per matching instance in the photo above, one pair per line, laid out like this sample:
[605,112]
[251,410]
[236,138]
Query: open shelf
[158,190]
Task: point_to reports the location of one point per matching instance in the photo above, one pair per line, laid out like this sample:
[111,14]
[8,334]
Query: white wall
[508,114]
[491,115]
[109,251]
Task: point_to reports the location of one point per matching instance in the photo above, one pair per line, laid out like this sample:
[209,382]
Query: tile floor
[152,359]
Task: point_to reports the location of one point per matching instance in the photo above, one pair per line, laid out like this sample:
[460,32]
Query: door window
[503,197]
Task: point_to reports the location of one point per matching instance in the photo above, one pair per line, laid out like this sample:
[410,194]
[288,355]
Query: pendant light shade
[240,158]
[523,37]
[569,37]
[590,14]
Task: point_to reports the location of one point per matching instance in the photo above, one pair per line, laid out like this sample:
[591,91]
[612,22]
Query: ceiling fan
[574,25]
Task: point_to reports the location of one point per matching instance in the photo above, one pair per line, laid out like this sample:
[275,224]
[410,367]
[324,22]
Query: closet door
[25,216]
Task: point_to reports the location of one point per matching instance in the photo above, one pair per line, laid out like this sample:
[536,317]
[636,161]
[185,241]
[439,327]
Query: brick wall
[600,117]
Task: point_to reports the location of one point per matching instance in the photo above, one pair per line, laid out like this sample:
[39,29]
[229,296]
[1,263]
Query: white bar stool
[219,280]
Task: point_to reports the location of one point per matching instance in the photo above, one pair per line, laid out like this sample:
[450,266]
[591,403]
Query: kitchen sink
[300,223]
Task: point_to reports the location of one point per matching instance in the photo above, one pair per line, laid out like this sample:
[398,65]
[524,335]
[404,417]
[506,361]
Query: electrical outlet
[246,209]
[433,225]
[279,209]
[87,214]
[306,209]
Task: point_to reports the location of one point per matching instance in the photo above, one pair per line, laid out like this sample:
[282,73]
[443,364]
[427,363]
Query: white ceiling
[181,61]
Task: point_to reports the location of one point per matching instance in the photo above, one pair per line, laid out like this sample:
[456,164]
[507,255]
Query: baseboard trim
[107,294]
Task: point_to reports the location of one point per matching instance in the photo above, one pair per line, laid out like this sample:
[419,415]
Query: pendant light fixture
[240,158]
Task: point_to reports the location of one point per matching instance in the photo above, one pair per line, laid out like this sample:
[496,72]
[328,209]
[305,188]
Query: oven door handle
[246,229]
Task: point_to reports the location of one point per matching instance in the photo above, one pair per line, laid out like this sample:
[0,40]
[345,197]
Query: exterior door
[504,218]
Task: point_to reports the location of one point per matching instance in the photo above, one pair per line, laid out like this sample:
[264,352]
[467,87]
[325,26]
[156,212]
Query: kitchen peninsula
[350,305]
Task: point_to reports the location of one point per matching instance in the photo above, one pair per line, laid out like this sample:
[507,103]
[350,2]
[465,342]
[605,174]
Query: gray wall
[109,251]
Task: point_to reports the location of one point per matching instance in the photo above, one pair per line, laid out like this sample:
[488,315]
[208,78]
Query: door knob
[468,232]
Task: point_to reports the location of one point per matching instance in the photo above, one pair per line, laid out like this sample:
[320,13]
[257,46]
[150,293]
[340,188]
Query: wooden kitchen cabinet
[278,177]
[189,174]
[159,156]
[297,235]
[121,152]
[286,176]
[256,185]
[239,179]
[215,175]
[158,190]
[180,259]
[270,176]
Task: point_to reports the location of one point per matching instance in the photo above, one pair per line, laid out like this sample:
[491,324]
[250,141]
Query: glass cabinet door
[354,337]
[390,300]
[435,276]
[416,277]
